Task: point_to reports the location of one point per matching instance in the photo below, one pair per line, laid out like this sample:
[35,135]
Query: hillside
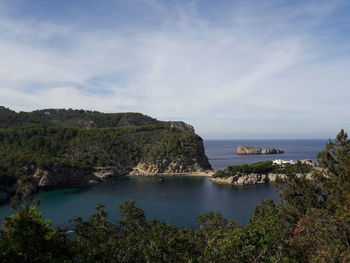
[52,148]
[83,119]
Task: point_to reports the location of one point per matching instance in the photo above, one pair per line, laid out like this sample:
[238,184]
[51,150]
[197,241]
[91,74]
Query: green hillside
[80,118]
[55,140]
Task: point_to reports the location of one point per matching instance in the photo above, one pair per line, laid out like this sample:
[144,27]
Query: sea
[176,200]
[222,153]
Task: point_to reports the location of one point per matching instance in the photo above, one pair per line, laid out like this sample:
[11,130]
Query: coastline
[195,174]
[5,196]
[253,178]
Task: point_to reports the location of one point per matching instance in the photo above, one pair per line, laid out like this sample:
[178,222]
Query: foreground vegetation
[310,224]
[265,167]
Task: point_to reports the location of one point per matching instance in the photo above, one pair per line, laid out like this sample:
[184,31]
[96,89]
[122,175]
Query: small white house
[279,162]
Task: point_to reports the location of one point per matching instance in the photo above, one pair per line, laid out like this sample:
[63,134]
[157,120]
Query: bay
[176,200]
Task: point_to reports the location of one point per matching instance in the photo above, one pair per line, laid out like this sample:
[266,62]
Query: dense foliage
[311,224]
[74,118]
[173,145]
[22,148]
[265,167]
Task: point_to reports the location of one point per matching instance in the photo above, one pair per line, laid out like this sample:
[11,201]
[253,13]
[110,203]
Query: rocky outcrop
[61,177]
[180,125]
[182,164]
[167,168]
[45,179]
[250,179]
[242,149]
[246,179]
[103,173]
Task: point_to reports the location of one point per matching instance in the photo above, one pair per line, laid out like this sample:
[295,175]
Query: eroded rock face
[61,177]
[242,149]
[182,126]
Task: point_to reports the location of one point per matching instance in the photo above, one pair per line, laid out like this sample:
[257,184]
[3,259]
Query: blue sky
[233,69]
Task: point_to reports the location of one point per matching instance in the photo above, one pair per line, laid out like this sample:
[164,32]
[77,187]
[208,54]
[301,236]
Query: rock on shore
[242,149]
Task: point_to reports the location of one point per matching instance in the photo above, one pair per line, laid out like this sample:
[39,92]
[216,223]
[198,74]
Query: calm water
[222,153]
[176,200]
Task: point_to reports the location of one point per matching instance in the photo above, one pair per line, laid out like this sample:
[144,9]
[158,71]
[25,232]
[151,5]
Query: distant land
[242,149]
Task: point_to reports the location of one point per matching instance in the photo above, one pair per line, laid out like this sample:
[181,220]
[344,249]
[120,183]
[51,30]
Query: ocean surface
[176,200]
[222,153]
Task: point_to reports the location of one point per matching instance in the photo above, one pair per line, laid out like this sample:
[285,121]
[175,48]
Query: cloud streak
[259,70]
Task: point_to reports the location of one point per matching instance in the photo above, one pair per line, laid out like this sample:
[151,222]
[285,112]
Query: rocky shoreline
[54,148]
[253,178]
[45,180]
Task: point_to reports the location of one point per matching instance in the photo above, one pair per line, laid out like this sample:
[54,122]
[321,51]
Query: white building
[279,162]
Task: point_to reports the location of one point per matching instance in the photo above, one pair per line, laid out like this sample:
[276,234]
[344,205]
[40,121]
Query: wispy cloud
[256,70]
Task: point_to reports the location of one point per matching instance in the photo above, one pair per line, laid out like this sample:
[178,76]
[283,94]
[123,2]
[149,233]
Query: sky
[248,69]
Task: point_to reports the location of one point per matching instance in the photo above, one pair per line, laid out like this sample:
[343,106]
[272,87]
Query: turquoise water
[175,200]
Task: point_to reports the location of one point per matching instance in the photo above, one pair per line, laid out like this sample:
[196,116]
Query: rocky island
[242,149]
[57,148]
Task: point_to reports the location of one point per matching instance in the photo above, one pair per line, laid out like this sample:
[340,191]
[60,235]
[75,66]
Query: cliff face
[180,125]
[183,163]
[255,150]
[181,153]
[67,147]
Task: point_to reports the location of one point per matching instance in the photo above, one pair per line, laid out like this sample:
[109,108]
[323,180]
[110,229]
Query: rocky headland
[58,148]
[242,149]
[263,172]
